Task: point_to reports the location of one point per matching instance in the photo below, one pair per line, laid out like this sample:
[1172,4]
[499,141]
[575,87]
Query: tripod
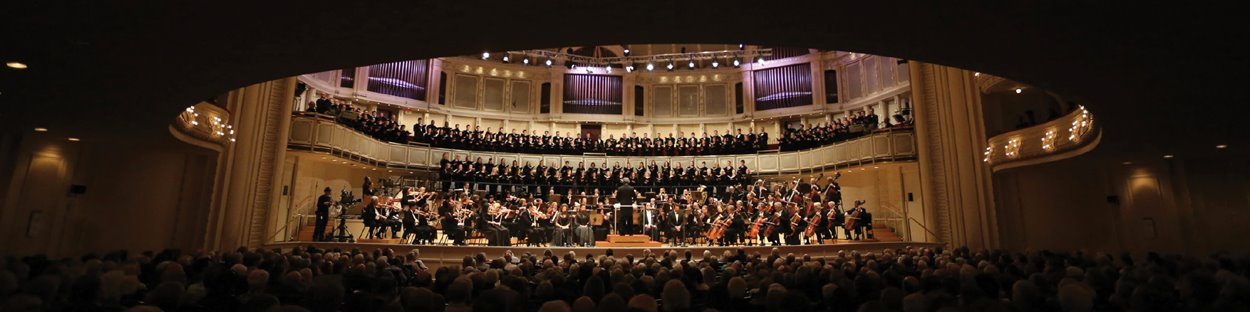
[341,234]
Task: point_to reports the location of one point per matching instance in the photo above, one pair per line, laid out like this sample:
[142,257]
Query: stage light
[1168,156]
[650,67]
[41,129]
[16,65]
[549,62]
[715,64]
[742,46]
[485,55]
[572,66]
[73,139]
[608,68]
[506,58]
[1019,90]
[669,66]
[737,63]
[1221,146]
[691,64]
[759,60]
[626,51]
[525,61]
[976,74]
[1126,163]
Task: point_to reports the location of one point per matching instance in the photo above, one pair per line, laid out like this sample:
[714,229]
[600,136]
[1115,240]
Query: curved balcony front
[1065,137]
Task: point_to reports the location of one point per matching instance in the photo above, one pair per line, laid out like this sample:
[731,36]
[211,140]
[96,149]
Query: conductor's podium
[629,241]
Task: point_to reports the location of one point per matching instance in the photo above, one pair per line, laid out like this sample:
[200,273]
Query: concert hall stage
[438,255]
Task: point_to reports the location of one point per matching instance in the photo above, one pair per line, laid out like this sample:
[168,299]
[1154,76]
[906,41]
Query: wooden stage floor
[438,255]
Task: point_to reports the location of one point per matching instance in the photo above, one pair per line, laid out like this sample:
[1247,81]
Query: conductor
[625,197]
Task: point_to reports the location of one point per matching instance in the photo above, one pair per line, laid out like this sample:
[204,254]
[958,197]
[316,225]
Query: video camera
[346,198]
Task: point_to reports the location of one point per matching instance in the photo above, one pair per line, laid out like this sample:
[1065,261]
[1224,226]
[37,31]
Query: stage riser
[438,255]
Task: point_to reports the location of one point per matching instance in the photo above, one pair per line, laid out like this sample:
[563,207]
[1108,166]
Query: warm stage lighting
[742,46]
[16,65]
[73,139]
[41,129]
[691,65]
[506,59]
[715,64]
[1222,146]
[548,62]
[650,67]
[737,63]
[626,51]
[1168,156]
[670,66]
[485,55]
[525,61]
[1018,90]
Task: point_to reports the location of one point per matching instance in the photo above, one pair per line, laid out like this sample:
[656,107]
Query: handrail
[287,224]
[321,135]
[925,228]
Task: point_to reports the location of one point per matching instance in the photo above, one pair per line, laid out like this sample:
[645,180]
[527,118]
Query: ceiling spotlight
[1019,90]
[525,61]
[506,59]
[485,55]
[742,46]
[73,139]
[626,51]
[759,59]
[669,66]
[976,74]
[548,62]
[650,67]
[715,64]
[691,64]
[1168,156]
[607,68]
[16,65]
[1222,146]
[41,129]
[737,63]
[1126,163]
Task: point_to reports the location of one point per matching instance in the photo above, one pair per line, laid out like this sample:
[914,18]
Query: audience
[908,279]
[849,127]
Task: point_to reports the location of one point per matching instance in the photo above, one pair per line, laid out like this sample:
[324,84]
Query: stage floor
[438,255]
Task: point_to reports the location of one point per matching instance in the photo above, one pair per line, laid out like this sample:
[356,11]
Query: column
[958,195]
[246,173]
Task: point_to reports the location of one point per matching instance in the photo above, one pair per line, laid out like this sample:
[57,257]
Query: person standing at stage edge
[625,197]
[323,215]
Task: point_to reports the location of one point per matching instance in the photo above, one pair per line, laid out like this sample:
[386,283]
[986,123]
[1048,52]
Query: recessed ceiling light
[41,129]
[1019,90]
[1126,163]
[74,139]
[1168,156]
[1222,146]
[16,65]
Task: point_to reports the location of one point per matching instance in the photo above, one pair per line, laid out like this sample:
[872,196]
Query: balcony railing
[1062,138]
[324,135]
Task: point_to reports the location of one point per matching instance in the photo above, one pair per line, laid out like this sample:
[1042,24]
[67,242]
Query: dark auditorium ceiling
[1161,77]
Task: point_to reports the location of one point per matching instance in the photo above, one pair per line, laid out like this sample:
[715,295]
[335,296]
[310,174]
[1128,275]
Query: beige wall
[1193,206]
[143,194]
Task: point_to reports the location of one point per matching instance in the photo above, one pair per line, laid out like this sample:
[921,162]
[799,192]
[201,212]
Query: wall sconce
[1048,141]
[1012,149]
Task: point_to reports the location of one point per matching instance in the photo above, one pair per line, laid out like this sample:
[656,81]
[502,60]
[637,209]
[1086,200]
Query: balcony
[316,134]
[1068,136]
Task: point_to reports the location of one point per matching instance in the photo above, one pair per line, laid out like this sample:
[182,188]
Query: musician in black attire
[451,227]
[495,233]
[625,217]
[675,226]
[323,215]
[858,215]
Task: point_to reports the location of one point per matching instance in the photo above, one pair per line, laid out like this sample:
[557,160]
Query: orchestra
[797,212]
